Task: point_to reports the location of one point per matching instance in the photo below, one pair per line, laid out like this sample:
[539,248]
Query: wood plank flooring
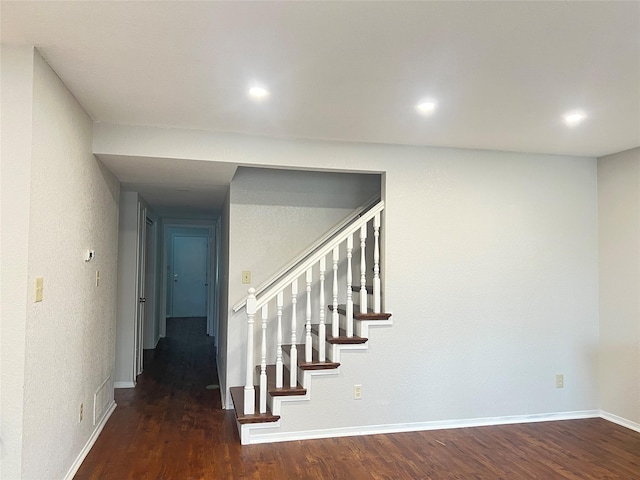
[172,427]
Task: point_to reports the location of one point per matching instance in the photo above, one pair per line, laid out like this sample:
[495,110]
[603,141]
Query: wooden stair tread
[237,395]
[356,288]
[286,389]
[370,315]
[314,364]
[342,339]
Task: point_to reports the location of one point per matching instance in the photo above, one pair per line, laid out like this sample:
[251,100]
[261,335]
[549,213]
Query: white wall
[127,289]
[223,307]
[619,247]
[491,275]
[287,210]
[68,339]
[16,111]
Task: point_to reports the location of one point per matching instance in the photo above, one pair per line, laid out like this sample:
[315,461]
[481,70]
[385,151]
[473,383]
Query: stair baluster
[363,269]
[293,358]
[263,361]
[376,264]
[349,320]
[249,390]
[308,341]
[335,320]
[322,332]
[279,365]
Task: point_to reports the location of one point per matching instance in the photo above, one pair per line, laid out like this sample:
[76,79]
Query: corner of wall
[619,285]
[223,316]
[16,110]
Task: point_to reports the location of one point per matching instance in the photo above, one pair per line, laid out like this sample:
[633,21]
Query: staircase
[286,366]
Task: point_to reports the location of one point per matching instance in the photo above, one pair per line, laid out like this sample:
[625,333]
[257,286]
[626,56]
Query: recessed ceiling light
[574,118]
[258,93]
[426,107]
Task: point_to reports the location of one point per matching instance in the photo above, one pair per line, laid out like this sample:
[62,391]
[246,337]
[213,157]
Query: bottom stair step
[237,395]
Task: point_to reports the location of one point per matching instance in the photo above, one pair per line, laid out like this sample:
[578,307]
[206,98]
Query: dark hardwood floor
[172,427]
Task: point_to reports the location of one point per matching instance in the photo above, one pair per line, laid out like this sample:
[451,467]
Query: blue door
[190,255]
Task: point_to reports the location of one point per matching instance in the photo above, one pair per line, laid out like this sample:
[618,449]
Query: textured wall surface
[619,245]
[16,75]
[127,289]
[70,335]
[287,210]
[491,273]
[223,308]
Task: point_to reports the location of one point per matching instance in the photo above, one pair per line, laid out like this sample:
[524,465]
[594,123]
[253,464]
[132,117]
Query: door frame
[151,279]
[176,251]
[138,333]
[212,292]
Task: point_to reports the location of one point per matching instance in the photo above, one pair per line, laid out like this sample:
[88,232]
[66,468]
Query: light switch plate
[39,288]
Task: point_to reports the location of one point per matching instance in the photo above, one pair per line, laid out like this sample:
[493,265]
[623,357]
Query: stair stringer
[246,429]
[361,329]
[362,326]
[275,403]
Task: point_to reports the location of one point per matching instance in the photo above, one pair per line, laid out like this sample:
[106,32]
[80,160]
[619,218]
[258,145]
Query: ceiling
[174,186]
[502,73]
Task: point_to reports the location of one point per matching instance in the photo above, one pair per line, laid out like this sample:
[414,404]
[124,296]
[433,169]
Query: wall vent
[101,400]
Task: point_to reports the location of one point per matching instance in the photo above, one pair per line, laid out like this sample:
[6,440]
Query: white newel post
[349,326]
[322,332]
[293,364]
[249,390]
[376,264]
[308,341]
[363,269]
[263,361]
[335,320]
[279,364]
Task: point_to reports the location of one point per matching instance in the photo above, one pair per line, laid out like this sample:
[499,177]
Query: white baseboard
[255,436]
[92,439]
[223,393]
[124,385]
[620,421]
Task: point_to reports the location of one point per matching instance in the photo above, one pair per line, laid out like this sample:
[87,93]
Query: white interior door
[151,323]
[139,330]
[190,285]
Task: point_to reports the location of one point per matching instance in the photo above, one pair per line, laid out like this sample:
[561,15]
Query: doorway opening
[187,282]
[190,273]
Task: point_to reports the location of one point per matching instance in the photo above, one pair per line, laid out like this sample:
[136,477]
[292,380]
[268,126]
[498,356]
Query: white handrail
[336,229]
[272,291]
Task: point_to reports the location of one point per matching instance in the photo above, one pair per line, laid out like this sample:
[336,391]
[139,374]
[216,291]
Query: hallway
[170,424]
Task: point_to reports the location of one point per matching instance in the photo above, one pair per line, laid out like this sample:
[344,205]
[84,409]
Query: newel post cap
[251,302]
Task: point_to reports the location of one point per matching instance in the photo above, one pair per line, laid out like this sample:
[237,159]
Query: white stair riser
[301,377]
